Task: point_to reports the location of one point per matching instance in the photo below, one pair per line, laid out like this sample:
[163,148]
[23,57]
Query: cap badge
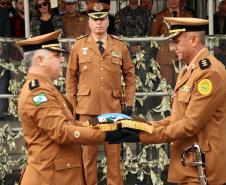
[98,7]
[205,87]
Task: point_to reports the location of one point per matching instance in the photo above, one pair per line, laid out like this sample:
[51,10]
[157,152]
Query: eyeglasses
[42,4]
[6,3]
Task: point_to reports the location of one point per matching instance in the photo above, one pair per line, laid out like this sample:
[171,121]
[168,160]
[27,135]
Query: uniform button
[174,110]
[68,164]
[76,134]
[101,87]
[101,68]
[171,143]
[101,78]
[85,67]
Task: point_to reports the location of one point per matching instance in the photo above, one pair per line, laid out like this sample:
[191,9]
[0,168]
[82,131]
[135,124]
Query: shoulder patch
[204,63]
[117,37]
[33,84]
[205,87]
[40,98]
[80,37]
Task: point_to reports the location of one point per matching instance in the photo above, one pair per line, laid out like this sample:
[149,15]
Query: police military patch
[205,87]
[40,98]
[33,84]
[204,63]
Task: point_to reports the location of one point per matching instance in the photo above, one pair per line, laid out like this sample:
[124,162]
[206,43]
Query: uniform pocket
[67,171]
[85,64]
[117,63]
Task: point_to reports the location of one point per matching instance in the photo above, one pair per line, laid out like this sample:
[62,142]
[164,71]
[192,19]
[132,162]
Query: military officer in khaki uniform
[74,24]
[52,135]
[198,110]
[93,84]
[165,56]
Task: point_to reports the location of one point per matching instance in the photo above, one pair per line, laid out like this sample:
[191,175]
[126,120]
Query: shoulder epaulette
[204,63]
[82,36]
[33,84]
[117,37]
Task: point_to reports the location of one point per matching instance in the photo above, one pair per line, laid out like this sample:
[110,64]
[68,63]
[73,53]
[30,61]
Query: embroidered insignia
[116,54]
[186,89]
[40,98]
[85,51]
[33,84]
[205,87]
[98,7]
[205,63]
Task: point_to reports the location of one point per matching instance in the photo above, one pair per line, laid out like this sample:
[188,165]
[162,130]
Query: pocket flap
[85,60]
[62,164]
[83,92]
[116,93]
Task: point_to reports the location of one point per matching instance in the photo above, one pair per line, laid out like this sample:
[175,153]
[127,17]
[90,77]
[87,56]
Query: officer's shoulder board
[81,37]
[120,38]
[33,84]
[204,63]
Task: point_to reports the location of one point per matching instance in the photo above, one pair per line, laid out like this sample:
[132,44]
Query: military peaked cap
[47,41]
[98,10]
[182,24]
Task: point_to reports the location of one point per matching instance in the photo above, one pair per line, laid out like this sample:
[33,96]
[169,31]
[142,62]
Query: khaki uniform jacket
[159,26]
[196,118]
[93,82]
[52,136]
[75,25]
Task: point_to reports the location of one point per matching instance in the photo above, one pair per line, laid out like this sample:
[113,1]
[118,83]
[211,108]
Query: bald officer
[198,110]
[96,66]
[52,135]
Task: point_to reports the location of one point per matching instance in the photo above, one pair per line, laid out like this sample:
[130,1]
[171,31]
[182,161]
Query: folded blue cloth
[112,117]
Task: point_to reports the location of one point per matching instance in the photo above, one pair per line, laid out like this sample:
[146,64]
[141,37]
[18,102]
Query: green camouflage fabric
[131,23]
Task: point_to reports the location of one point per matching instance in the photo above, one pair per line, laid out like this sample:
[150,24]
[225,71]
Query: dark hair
[37,9]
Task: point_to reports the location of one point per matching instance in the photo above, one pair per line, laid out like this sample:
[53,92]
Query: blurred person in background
[74,24]
[17,21]
[45,21]
[5,31]
[165,57]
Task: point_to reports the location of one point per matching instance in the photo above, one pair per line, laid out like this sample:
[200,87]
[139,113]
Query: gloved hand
[122,135]
[128,110]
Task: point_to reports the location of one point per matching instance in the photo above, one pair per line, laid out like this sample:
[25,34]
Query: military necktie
[100,47]
[174,13]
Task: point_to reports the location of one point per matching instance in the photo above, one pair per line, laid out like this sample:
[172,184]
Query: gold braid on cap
[177,30]
[50,45]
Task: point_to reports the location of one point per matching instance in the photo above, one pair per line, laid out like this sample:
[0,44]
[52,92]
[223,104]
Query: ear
[195,40]
[39,60]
